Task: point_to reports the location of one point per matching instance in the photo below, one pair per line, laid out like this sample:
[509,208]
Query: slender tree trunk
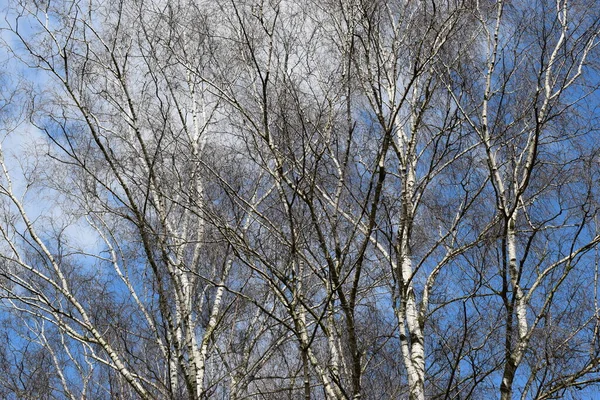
[519,309]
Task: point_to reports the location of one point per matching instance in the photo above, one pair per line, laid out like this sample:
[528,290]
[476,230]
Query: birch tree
[272,199]
[117,137]
[539,149]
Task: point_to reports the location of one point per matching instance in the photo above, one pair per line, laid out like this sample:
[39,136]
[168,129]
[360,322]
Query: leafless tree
[273,199]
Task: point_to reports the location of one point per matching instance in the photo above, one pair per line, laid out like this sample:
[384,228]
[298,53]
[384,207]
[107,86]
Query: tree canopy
[272,199]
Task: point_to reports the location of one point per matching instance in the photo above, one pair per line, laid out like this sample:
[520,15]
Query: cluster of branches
[272,199]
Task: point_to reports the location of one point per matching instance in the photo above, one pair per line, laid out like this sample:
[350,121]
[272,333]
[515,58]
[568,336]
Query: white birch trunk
[412,339]
[520,311]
